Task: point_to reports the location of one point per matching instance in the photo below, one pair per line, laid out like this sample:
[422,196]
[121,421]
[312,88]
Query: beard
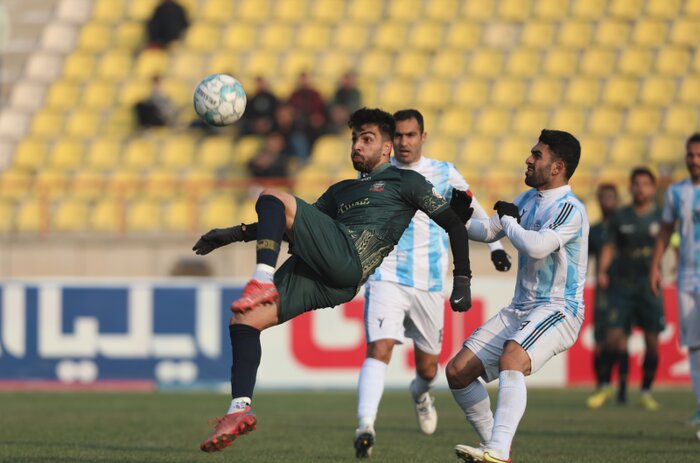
[367,164]
[538,177]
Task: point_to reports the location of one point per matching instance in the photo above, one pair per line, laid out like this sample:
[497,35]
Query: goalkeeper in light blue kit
[549,228]
[405,295]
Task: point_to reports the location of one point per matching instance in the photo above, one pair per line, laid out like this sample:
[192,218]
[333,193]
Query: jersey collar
[545,195]
[416,165]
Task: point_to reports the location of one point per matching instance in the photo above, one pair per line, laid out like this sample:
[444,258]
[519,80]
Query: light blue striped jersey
[682,204]
[420,257]
[560,277]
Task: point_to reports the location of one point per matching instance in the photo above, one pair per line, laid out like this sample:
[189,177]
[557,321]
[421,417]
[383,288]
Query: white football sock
[369,390]
[476,405]
[264,273]
[694,357]
[238,404]
[420,386]
[512,399]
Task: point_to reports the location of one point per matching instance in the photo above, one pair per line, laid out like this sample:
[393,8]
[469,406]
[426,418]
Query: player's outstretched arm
[536,244]
[461,298]
[219,237]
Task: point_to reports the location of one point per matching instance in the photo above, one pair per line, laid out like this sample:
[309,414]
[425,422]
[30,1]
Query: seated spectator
[168,23]
[157,110]
[259,116]
[295,140]
[347,95]
[269,166]
[309,108]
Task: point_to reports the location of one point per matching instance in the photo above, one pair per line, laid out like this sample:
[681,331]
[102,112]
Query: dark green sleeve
[420,193]
[610,230]
[326,204]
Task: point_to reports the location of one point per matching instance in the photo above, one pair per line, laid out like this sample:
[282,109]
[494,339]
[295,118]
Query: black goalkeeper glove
[501,260]
[461,297]
[461,204]
[509,209]
[219,237]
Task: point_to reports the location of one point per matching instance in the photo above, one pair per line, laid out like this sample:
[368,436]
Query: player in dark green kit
[631,238]
[336,244]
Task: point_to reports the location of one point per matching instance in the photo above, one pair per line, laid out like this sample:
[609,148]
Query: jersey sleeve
[610,230]
[326,204]
[456,181]
[669,214]
[421,194]
[566,222]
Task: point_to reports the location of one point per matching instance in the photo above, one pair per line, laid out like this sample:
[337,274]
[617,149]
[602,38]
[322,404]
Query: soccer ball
[219,99]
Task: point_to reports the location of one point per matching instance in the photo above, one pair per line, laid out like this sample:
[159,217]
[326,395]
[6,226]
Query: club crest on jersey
[378,187]
[436,194]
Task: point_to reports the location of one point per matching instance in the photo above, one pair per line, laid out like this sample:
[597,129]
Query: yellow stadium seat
[51,183]
[241,36]
[365,11]
[179,214]
[180,93]
[297,62]
[224,62]
[598,61]
[377,64]
[79,66]
[67,153]
[681,120]
[545,91]
[200,182]
[313,36]
[443,149]
[220,211]
[443,11]
[685,31]
[523,62]
[620,91]
[261,63]
[433,94]
[689,92]
[104,153]
[582,91]
[569,119]
[493,121]
[551,9]
[276,36]
[15,183]
[665,149]
[448,63]
[410,64]
[63,95]
[257,11]
[129,35]
[576,34]
[391,36]
[513,151]
[405,11]
[612,33]
[455,123]
[477,152]
[134,91]
[538,34]
[426,36]
[215,152]
[125,182]
[245,148]
[508,92]
[560,62]
[151,62]
[7,210]
[397,94]
[635,62]
[667,9]
[605,121]
[115,65]
[121,121]
[328,151]
[178,151]
[141,10]
[650,32]
[530,121]
[658,90]
[30,154]
[486,62]
[329,11]
[188,65]
[161,182]
[463,35]
[32,216]
[107,215]
[626,9]
[139,153]
[99,95]
[674,61]
[643,120]
[334,63]
[108,11]
[70,215]
[478,10]
[95,37]
[691,8]
[143,215]
[514,10]
[87,184]
[83,123]
[589,9]
[47,123]
[471,92]
[294,11]
[218,11]
[627,151]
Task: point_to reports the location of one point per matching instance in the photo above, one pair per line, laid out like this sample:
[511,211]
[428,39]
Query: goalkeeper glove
[219,237]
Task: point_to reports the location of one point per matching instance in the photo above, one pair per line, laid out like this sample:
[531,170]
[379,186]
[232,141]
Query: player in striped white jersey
[682,206]
[549,228]
[405,296]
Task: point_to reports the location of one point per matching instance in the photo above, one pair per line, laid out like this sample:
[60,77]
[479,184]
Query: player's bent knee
[514,357]
[381,350]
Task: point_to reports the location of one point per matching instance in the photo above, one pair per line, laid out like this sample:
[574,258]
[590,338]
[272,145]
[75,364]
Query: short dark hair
[565,146]
[606,187]
[642,170]
[406,114]
[382,119]
[694,138]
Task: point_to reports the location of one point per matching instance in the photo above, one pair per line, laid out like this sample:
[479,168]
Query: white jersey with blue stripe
[682,204]
[420,257]
[560,276]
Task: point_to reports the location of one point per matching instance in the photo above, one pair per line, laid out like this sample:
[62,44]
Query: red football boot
[255,293]
[228,428]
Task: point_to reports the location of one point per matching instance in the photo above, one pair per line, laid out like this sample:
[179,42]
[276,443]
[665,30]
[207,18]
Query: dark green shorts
[635,305]
[324,269]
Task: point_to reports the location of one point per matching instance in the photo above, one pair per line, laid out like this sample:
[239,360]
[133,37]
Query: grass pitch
[319,427]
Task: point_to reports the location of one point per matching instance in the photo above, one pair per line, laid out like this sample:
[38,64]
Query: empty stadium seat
[433,94]
[658,91]
[276,36]
[681,120]
[509,93]
[178,151]
[665,149]
[108,214]
[426,36]
[627,151]
[546,91]
[530,121]
[612,33]
[486,62]
[448,63]
[569,119]
[67,153]
[672,61]
[115,65]
[643,121]
[313,36]
[99,95]
[95,37]
[492,121]
[575,34]
[605,121]
[63,95]
[366,11]
[30,154]
[551,9]
[217,11]
[649,32]
[405,11]
[455,122]
[597,61]
[635,62]
[129,35]
[588,9]
[666,9]
[79,66]
[83,123]
[561,62]
[179,214]
[538,34]
[626,9]
[47,123]
[143,215]
[462,35]
[684,31]
[392,36]
[70,215]
[477,152]
[443,11]
[582,91]
[108,11]
[139,153]
[32,215]
[87,184]
[523,62]
[15,183]
[620,91]
[220,211]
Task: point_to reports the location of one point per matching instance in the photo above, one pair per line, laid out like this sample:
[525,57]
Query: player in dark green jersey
[631,238]
[608,202]
[336,244]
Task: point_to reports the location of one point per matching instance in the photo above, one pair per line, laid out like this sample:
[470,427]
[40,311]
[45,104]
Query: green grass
[319,427]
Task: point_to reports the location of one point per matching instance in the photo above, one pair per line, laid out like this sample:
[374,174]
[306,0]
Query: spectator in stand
[168,22]
[346,100]
[259,117]
[157,110]
[295,139]
[271,160]
[310,109]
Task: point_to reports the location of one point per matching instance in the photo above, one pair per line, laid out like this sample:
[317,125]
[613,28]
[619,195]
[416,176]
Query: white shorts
[543,332]
[393,311]
[689,318]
